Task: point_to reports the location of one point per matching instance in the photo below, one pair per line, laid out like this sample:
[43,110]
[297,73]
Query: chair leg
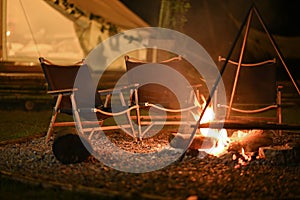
[138,117]
[131,124]
[53,118]
[76,115]
[122,99]
[93,130]
[107,99]
[279,108]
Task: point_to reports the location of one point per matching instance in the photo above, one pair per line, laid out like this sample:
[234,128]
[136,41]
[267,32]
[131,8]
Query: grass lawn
[17,123]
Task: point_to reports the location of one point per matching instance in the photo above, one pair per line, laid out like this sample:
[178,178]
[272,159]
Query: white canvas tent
[45,28]
[113,11]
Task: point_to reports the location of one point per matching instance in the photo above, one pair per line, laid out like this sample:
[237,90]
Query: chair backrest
[256,82]
[158,94]
[253,91]
[61,77]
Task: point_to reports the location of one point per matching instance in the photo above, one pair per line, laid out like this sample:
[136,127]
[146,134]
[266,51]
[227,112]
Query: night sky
[282,17]
[215,23]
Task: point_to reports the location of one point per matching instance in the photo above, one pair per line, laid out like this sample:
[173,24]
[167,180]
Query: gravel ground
[195,177]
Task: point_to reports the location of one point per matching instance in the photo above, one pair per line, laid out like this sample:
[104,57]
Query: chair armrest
[119,90]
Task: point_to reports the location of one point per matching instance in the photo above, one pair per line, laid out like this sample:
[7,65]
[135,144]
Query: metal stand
[214,88]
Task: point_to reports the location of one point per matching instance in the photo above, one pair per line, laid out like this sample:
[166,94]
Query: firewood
[251,140]
[70,147]
[199,141]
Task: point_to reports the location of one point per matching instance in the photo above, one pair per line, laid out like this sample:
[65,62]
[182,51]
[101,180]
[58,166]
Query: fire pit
[196,176]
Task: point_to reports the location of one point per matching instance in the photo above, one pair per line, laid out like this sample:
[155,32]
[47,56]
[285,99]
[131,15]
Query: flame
[221,139]
[243,158]
[246,157]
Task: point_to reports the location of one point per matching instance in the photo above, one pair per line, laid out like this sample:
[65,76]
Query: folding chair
[252,91]
[61,80]
[168,109]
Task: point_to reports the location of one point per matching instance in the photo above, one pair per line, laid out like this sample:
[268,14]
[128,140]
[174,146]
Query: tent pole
[3,28]
[1,24]
[276,49]
[239,64]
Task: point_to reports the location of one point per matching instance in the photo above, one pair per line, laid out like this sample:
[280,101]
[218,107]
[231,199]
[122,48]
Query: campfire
[244,145]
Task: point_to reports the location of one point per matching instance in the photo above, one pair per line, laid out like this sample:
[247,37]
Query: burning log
[178,140]
[251,140]
[70,147]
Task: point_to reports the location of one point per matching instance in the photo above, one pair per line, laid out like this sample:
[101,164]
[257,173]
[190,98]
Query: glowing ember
[220,135]
[242,158]
[246,157]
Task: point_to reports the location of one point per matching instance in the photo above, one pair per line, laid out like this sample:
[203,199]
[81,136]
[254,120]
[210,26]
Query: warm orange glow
[243,158]
[220,135]
[242,161]
[246,157]
[221,139]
